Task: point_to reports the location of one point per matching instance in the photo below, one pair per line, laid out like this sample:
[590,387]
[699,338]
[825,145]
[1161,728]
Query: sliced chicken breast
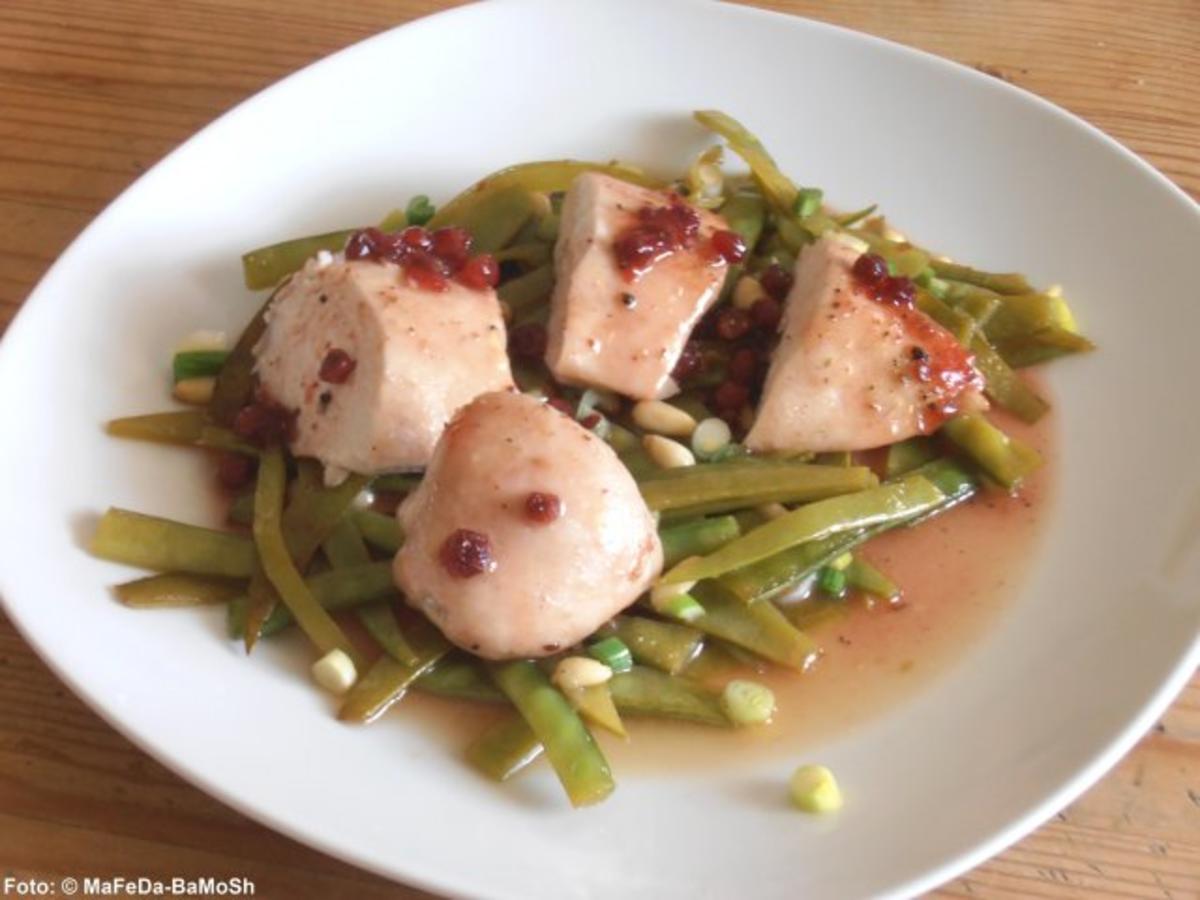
[609,329]
[852,372]
[526,534]
[374,365]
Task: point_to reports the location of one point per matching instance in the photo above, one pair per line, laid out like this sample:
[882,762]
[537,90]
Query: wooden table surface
[92,92]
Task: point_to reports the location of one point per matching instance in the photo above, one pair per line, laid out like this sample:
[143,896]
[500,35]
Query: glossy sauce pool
[958,572]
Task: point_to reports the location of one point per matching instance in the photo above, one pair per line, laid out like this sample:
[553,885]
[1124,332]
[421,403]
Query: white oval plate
[1090,654]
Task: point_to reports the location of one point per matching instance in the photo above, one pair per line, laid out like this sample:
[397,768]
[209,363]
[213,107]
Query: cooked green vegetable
[344,546]
[832,582]
[163,545]
[380,531]
[862,576]
[904,456]
[569,746]
[494,217]
[235,384]
[782,572]
[697,538]
[1001,283]
[388,679]
[760,627]
[504,749]
[198,364]
[419,210]
[336,589]
[311,514]
[716,487]
[528,290]
[183,428]
[1003,458]
[664,645]
[536,177]
[890,502]
[461,679]
[380,622]
[267,266]
[277,562]
[175,589]
[648,692]
[746,213]
[613,653]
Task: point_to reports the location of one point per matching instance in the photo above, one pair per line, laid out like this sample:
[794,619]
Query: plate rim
[1100,761]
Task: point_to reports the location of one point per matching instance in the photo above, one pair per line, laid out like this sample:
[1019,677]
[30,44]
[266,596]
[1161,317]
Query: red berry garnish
[480,272]
[467,553]
[766,313]
[870,269]
[337,366]
[731,396]
[743,366]
[776,281]
[543,508]
[452,246]
[732,323]
[729,246]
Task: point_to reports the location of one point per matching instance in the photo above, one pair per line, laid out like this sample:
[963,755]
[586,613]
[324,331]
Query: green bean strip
[782,572]
[530,254]
[1001,283]
[741,484]
[267,266]
[495,217]
[179,428]
[664,645]
[345,546]
[1023,314]
[569,746]
[904,456]
[760,627]
[1004,386]
[312,513]
[380,531]
[241,510]
[460,679]
[380,622]
[278,566]
[396,483]
[875,506]
[777,187]
[336,589]
[862,576]
[1041,346]
[696,538]
[527,290]
[504,749]
[537,177]
[175,589]
[163,545]
[388,679]
[785,571]
[648,692]
[1003,458]
[235,384]
[214,437]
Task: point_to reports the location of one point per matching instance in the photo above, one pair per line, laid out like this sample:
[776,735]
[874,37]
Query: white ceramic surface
[1091,653]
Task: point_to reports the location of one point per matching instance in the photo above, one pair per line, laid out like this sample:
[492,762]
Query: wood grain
[92,92]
